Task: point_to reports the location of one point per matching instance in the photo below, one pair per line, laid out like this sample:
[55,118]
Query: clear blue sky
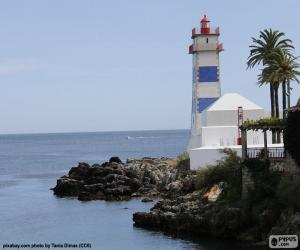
[93,65]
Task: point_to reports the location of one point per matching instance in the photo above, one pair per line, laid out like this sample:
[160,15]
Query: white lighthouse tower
[206,78]
[215,118]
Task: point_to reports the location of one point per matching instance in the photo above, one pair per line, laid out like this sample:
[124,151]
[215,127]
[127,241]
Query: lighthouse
[215,118]
[206,88]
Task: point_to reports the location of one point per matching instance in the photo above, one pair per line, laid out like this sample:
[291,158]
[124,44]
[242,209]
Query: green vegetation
[288,191]
[270,189]
[265,181]
[281,69]
[183,161]
[274,52]
[227,170]
[261,123]
[292,135]
[182,157]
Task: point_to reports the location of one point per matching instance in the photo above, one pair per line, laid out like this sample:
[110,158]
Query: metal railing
[272,153]
[197,31]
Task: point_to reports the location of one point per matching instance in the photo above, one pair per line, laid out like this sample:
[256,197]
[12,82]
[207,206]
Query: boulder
[80,172]
[115,159]
[147,199]
[68,187]
[147,177]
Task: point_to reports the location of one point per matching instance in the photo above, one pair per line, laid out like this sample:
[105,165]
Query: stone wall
[247,182]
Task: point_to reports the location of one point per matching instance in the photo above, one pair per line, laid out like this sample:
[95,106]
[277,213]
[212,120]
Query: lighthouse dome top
[205,19]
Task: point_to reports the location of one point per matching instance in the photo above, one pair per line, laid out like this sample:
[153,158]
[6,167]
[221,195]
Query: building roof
[232,101]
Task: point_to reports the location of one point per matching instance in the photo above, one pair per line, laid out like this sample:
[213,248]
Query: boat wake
[141,137]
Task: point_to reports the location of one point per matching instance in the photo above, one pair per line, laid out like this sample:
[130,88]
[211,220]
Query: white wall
[201,157]
[230,117]
[227,136]
[207,90]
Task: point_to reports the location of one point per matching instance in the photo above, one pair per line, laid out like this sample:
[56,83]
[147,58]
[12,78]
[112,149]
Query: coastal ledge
[214,209]
[115,180]
[194,215]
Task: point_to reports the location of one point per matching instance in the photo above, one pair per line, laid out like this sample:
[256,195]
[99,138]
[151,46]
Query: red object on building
[240,123]
[205,29]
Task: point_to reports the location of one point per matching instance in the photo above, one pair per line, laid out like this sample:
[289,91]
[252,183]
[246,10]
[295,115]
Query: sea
[31,217]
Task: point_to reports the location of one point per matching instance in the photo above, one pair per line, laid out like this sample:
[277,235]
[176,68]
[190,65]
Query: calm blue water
[30,213]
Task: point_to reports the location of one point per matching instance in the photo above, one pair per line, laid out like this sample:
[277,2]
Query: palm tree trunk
[278,139]
[284,99]
[289,93]
[272,98]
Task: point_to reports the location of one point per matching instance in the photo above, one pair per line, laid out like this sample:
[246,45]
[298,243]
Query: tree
[281,69]
[262,51]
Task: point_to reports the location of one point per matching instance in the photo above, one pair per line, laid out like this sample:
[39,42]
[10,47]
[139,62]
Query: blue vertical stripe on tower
[203,103]
[208,74]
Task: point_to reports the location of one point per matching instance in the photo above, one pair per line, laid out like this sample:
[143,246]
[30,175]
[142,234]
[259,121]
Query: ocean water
[31,214]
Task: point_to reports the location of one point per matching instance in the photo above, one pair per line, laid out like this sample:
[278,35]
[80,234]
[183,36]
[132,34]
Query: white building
[214,123]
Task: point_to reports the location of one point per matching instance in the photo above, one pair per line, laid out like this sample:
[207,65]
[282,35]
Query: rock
[146,177]
[188,214]
[214,192]
[288,223]
[110,178]
[115,159]
[266,221]
[134,184]
[68,187]
[94,188]
[147,199]
[106,171]
[175,186]
[86,196]
[227,222]
[118,191]
[80,172]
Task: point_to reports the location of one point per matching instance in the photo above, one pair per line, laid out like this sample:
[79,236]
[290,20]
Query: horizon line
[81,132]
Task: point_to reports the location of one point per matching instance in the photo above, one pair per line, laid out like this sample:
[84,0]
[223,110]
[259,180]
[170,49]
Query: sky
[93,65]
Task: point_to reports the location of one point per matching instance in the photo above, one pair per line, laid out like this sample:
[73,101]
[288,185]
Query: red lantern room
[205,29]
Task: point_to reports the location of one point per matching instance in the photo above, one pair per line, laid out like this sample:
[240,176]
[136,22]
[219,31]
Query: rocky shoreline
[115,180]
[193,214]
[181,209]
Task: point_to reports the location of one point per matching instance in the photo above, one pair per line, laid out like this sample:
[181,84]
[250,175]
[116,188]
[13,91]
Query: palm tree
[261,52]
[281,69]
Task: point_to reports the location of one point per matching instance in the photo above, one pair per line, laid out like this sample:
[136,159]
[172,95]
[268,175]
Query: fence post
[266,145]
[244,143]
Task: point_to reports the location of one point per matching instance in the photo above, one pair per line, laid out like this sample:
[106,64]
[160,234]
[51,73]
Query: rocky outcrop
[201,213]
[191,214]
[115,180]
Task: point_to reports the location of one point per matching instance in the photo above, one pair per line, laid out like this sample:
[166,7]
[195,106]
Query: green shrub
[263,122]
[254,164]
[292,135]
[288,191]
[183,162]
[182,157]
[227,170]
[265,181]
